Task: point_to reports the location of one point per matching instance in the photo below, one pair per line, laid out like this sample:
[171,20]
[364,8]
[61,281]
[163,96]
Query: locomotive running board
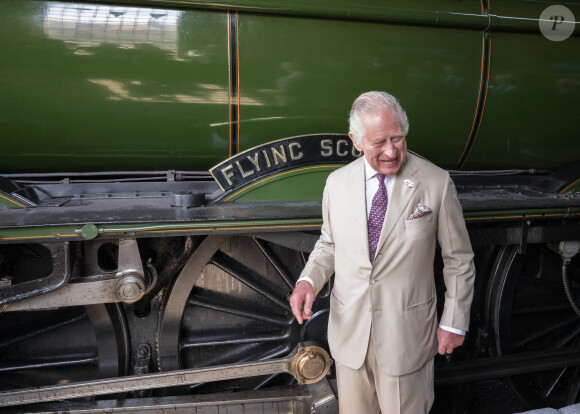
[318,398]
[295,400]
[308,364]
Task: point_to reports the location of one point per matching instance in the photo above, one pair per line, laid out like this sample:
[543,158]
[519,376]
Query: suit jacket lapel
[399,198]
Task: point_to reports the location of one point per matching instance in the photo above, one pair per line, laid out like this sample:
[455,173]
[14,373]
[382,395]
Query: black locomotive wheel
[230,305]
[59,346]
[528,311]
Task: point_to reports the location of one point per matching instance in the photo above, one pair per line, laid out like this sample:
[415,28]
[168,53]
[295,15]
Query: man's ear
[356,145]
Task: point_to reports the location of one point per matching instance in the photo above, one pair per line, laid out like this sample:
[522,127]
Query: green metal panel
[96,88]
[532,104]
[572,188]
[8,201]
[302,184]
[300,76]
[490,15]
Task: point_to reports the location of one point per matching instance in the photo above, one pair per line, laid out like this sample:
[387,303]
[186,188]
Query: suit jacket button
[368,309]
[373,281]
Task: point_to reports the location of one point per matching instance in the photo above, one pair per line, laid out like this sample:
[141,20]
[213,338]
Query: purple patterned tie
[377,215]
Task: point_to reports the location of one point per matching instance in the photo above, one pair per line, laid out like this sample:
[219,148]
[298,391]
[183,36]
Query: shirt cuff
[306,279]
[453,330]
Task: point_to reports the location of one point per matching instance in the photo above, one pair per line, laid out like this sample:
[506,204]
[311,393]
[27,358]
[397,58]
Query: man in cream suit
[383,330]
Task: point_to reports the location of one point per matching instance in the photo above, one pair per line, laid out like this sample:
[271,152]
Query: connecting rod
[308,364]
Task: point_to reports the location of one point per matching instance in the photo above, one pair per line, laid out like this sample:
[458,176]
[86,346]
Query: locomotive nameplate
[285,154]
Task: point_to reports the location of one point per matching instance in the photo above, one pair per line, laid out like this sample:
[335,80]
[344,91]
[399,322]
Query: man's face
[383,143]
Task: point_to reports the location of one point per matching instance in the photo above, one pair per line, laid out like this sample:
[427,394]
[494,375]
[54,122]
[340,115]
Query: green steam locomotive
[162,168]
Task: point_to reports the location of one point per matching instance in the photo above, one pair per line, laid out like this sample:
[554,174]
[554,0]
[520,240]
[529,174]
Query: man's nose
[390,150]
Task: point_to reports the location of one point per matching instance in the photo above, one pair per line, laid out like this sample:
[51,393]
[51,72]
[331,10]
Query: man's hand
[448,341]
[301,301]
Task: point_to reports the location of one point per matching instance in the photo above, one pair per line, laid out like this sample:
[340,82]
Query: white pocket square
[420,211]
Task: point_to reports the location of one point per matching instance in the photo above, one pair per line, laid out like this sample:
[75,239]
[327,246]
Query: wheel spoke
[51,364]
[239,310]
[275,262]
[274,352]
[574,388]
[221,338]
[244,353]
[565,337]
[549,385]
[547,284]
[39,348]
[264,382]
[541,309]
[249,278]
[43,330]
[545,330]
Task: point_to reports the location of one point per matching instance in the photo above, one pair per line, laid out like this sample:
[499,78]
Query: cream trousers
[367,390]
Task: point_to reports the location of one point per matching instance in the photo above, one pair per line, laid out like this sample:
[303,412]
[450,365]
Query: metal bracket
[524,238]
[129,284]
[59,277]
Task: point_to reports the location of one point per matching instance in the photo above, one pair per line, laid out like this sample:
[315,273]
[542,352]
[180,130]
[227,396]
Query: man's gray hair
[368,103]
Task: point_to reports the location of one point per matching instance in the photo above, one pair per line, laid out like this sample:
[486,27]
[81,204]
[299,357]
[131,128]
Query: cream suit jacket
[396,294]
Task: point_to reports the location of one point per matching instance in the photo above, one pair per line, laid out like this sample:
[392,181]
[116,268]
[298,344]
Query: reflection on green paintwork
[531,102]
[308,73]
[97,88]
[86,26]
